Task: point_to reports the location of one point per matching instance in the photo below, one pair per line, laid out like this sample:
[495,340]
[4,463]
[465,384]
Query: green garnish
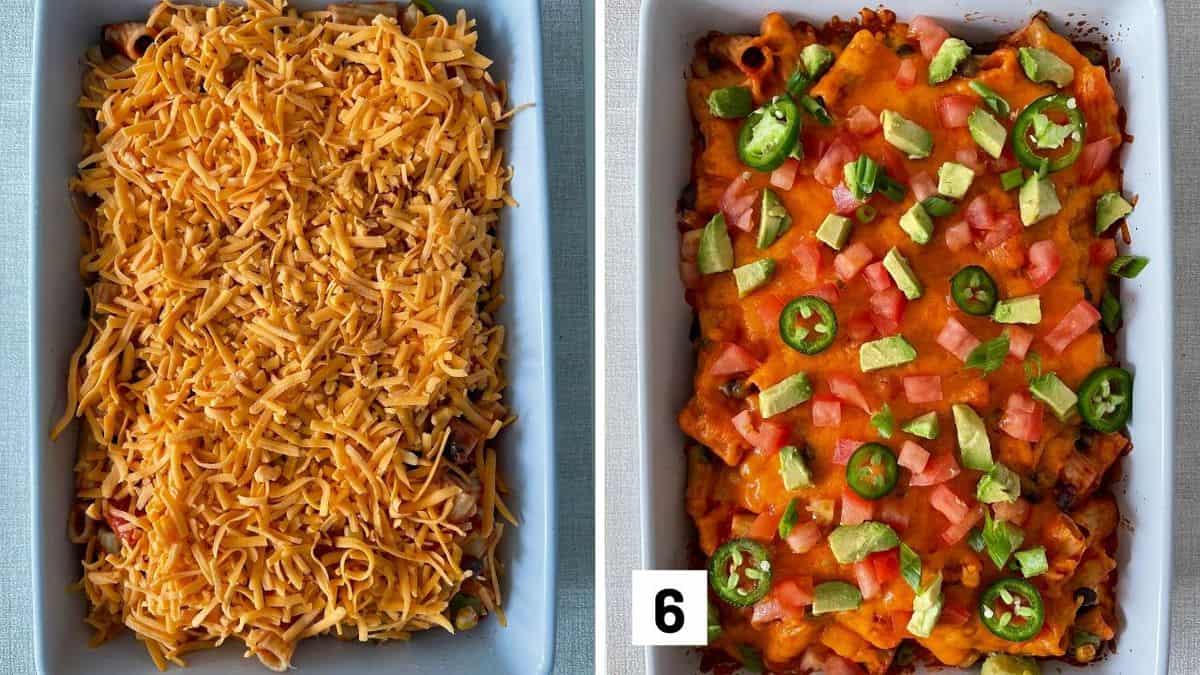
[993,100]
[989,356]
[883,421]
[1128,266]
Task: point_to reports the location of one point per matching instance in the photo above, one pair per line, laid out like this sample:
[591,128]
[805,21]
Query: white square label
[670,607]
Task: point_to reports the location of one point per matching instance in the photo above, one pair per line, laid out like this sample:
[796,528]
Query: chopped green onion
[1080,638]
[938,206]
[860,176]
[1011,180]
[816,108]
[1110,312]
[888,187]
[993,100]
[883,421]
[989,356]
[1000,538]
[1128,266]
[798,83]
[1033,561]
[865,213]
[910,567]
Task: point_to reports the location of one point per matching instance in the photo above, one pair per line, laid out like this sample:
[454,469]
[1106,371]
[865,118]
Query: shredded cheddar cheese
[292,372]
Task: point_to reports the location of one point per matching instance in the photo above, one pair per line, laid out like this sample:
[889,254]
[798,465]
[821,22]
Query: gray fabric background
[566,33]
[622,547]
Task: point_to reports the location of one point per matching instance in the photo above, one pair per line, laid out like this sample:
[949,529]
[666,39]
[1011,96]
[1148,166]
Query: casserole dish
[511,34]
[668,33]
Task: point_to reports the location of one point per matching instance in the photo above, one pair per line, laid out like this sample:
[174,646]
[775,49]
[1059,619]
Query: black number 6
[667,614]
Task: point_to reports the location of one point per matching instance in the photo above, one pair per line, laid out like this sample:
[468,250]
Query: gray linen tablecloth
[622,541]
[566,31]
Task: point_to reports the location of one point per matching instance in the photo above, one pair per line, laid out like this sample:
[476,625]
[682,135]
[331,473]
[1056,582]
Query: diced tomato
[738,198]
[117,515]
[1044,262]
[1022,417]
[785,176]
[794,592]
[955,533]
[732,359]
[829,169]
[877,276]
[846,389]
[923,185]
[958,236]
[1101,252]
[769,308]
[689,274]
[1005,226]
[868,583]
[886,564]
[954,615]
[844,449]
[855,509]
[1019,341]
[928,33]
[689,244]
[827,292]
[861,121]
[844,203]
[891,511]
[745,222]
[807,255]
[953,110]
[814,659]
[979,213]
[949,504]
[852,260]
[906,74]
[893,163]
[913,457]
[767,610]
[1094,158]
[803,537]
[860,327]
[1015,512]
[969,158]
[764,527]
[887,308]
[956,339]
[923,388]
[826,411]
[838,665]
[743,422]
[772,436]
[1074,323]
[938,470]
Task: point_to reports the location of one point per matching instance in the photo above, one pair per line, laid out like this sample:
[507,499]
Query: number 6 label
[670,607]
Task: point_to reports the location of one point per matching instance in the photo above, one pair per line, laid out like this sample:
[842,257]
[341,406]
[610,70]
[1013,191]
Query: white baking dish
[1136,34]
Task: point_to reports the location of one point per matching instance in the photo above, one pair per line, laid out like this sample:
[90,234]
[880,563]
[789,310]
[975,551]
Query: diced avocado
[1043,65]
[773,220]
[917,224]
[715,253]
[973,444]
[999,484]
[1110,208]
[954,179]
[952,52]
[925,426]
[1037,199]
[1032,561]
[1026,309]
[817,59]
[835,596]
[751,276]
[906,135]
[793,469]
[1052,391]
[853,543]
[834,231]
[987,132]
[730,102]
[1008,664]
[892,350]
[906,280]
[927,607]
[786,394]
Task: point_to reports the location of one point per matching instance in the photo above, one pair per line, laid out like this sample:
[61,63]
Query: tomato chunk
[1022,417]
[954,109]
[844,203]
[1101,252]
[843,450]
[829,169]
[785,176]
[826,411]
[929,34]
[955,533]
[827,292]
[1019,340]
[887,309]
[1075,323]
[1044,262]
[877,276]
[886,564]
[861,121]
[846,389]
[906,74]
[804,537]
[938,470]
[868,583]
[956,339]
[855,509]
[923,388]
[794,592]
[738,199]
[958,236]
[1016,512]
[1094,158]
[913,457]
[764,527]
[923,186]
[732,359]
[807,255]
[852,260]
[949,504]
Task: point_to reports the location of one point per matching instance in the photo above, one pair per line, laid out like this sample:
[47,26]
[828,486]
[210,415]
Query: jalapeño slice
[769,134]
[808,324]
[1012,609]
[1106,398]
[1022,146]
[872,470]
[974,290]
[740,572]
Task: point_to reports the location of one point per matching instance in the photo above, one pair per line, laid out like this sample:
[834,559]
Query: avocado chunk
[834,231]
[1026,309]
[902,272]
[927,607]
[954,179]
[906,135]
[752,276]
[793,469]
[835,596]
[999,484]
[973,444]
[1008,664]
[784,395]
[926,426]
[715,253]
[817,59]
[773,220]
[1043,65]
[948,57]
[917,224]
[892,350]
[853,543]
[1037,199]
[1110,208]
[1052,391]
[730,103]
[987,132]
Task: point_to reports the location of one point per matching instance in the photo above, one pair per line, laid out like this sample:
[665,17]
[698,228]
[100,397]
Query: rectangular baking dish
[1136,36]
[511,34]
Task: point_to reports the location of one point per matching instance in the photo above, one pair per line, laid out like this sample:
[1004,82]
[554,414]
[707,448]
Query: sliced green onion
[884,422]
[816,108]
[865,213]
[993,100]
[1011,180]
[938,206]
[798,83]
[1032,562]
[1128,266]
[888,187]
[910,567]
[1110,312]
[1000,538]
[989,356]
